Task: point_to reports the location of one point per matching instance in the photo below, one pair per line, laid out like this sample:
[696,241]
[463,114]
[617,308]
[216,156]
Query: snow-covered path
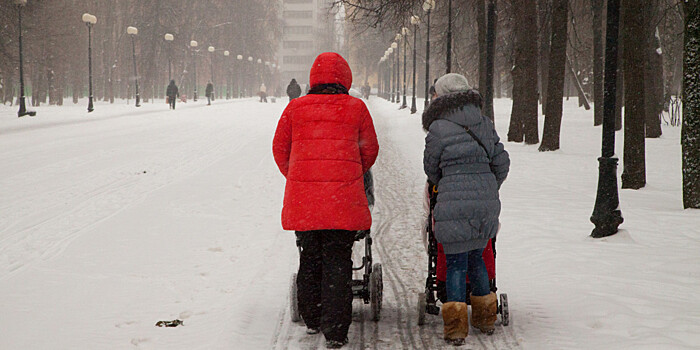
[114,220]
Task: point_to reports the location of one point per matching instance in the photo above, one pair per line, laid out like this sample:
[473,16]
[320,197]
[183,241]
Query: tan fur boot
[456,318]
[484,309]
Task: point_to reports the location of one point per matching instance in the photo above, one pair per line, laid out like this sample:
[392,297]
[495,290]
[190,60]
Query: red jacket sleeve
[369,147]
[282,143]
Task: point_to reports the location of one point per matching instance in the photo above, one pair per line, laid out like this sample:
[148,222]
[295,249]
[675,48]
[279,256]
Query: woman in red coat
[324,143]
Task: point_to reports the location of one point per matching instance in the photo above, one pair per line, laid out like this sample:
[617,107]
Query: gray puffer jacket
[468,177]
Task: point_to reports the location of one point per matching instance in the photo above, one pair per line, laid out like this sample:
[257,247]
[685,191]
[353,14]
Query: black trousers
[172,102]
[324,281]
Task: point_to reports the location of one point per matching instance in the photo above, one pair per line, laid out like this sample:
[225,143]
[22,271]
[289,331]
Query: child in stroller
[435,286]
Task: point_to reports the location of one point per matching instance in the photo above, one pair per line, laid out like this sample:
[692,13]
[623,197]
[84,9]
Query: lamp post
[251,73]
[397,48]
[380,76]
[428,6]
[238,74]
[404,33]
[392,85]
[448,62]
[132,31]
[193,45]
[228,76]
[415,20]
[22,105]
[89,20]
[169,38]
[607,215]
[211,50]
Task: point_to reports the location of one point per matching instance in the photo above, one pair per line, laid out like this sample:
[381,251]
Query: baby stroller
[435,282]
[370,288]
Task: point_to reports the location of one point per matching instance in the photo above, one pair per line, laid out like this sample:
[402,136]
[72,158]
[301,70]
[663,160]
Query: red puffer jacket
[323,145]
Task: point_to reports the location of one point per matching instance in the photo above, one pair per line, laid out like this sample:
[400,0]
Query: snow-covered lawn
[114,220]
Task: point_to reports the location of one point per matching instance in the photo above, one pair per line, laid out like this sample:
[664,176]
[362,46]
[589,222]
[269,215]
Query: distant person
[209,92]
[324,143]
[293,90]
[432,93]
[366,90]
[172,93]
[263,93]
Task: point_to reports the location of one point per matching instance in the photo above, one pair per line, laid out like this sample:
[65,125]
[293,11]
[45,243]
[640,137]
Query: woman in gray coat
[466,160]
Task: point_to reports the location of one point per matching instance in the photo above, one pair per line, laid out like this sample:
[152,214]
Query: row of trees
[549,49]
[55,44]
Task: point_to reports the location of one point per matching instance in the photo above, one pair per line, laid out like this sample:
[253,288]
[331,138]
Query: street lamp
[133,32]
[238,74]
[22,105]
[392,81]
[428,6]
[89,20]
[448,64]
[404,33]
[211,50]
[193,45]
[397,60]
[228,76]
[169,37]
[607,215]
[382,77]
[251,74]
[415,20]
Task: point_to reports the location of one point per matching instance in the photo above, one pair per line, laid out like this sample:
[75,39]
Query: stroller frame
[427,301]
[370,288]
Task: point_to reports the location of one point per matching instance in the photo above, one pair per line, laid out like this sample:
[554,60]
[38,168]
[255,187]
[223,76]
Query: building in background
[309,27]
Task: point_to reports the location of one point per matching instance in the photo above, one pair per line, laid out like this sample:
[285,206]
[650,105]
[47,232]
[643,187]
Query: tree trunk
[523,120]
[598,60]
[690,134]
[634,174]
[545,20]
[557,72]
[490,57]
[653,76]
[481,23]
[582,99]
[619,98]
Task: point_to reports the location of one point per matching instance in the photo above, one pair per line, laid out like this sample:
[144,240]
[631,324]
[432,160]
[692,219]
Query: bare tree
[523,120]
[634,173]
[557,71]
[690,136]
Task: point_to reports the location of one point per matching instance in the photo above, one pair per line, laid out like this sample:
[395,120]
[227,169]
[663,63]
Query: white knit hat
[451,83]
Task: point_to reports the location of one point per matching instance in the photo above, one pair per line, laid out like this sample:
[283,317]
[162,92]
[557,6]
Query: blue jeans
[458,267]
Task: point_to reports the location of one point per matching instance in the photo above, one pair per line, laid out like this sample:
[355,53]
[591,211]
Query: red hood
[330,68]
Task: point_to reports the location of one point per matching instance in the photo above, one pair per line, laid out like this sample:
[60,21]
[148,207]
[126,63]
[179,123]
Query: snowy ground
[114,220]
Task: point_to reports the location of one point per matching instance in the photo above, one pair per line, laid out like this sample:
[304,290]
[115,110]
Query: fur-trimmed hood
[441,106]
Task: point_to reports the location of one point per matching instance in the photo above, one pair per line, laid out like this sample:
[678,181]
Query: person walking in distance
[209,92]
[324,143]
[172,93]
[293,90]
[263,93]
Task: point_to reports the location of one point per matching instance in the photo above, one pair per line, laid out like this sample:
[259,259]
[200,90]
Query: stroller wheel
[505,315]
[376,288]
[293,301]
[422,303]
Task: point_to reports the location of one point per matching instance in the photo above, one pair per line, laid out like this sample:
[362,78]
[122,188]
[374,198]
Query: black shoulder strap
[476,138]
[473,135]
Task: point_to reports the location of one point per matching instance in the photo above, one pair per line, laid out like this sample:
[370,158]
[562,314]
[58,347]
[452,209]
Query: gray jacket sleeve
[500,161]
[431,155]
